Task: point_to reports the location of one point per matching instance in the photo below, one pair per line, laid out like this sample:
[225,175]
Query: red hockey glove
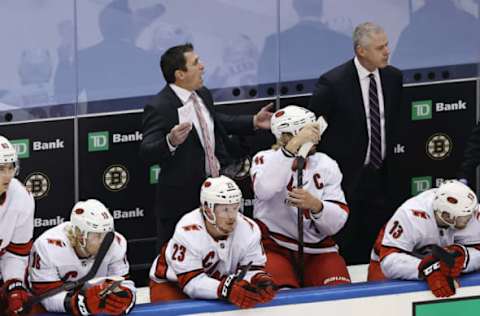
[240,293]
[440,284]
[461,260]
[264,285]
[16,296]
[120,300]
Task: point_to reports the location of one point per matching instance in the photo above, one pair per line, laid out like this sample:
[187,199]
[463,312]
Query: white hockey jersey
[53,262]
[274,175]
[197,261]
[409,234]
[16,231]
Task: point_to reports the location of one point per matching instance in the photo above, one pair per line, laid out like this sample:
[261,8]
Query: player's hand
[305,200]
[120,300]
[106,297]
[179,133]
[309,133]
[16,296]
[240,293]
[439,284]
[265,286]
[263,117]
[461,260]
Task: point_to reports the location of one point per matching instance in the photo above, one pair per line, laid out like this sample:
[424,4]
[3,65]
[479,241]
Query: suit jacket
[338,97]
[182,172]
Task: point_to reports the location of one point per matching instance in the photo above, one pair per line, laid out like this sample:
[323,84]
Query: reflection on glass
[440,33]
[114,67]
[307,48]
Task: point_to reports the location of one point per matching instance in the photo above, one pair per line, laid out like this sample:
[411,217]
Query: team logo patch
[439,146]
[38,184]
[115,178]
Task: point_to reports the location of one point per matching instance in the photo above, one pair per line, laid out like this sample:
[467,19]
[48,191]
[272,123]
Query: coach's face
[375,53]
[192,78]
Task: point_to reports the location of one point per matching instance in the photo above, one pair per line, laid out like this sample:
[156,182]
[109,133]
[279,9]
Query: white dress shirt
[186,113]
[365,84]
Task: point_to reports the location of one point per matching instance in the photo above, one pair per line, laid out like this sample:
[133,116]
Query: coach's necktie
[212,161]
[375,127]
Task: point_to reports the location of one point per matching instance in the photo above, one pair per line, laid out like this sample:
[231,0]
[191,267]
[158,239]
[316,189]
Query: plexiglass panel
[33,32]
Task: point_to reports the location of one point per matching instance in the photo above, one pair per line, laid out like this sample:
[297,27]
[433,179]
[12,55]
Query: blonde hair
[72,235]
[282,141]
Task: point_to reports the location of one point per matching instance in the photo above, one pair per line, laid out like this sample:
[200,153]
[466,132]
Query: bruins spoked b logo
[439,146]
[115,178]
[38,184]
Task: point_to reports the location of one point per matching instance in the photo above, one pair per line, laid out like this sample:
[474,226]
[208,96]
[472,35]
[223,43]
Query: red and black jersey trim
[39,288]
[386,250]
[20,249]
[162,266]
[324,243]
[186,277]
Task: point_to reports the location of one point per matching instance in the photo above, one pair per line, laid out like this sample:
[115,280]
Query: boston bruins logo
[38,184]
[115,178]
[439,146]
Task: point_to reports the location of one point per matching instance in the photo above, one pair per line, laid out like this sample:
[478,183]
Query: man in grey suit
[360,100]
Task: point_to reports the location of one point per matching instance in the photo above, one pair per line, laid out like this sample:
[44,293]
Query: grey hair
[362,34]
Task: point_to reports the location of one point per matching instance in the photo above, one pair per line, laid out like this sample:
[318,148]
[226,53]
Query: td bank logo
[154,172]
[421,110]
[420,184]
[22,146]
[98,141]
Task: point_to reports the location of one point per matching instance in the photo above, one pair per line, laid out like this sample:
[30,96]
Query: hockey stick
[102,251]
[300,261]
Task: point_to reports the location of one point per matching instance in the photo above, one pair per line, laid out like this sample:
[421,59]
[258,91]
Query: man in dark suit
[360,100]
[184,134]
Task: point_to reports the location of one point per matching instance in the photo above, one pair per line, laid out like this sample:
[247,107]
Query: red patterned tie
[213,163]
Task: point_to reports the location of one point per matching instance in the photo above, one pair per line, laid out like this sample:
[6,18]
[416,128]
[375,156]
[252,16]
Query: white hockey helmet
[219,190]
[456,199]
[7,152]
[91,216]
[290,119]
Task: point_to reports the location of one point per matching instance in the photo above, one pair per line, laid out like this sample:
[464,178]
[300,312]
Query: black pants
[369,211]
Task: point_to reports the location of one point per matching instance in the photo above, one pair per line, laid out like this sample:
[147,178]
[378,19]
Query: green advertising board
[467,306]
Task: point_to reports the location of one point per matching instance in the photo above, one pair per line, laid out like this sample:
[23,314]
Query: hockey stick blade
[102,251]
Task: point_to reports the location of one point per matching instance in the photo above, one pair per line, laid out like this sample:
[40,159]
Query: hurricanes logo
[38,184]
[115,178]
[439,146]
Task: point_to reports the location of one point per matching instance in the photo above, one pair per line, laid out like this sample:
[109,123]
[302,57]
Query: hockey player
[447,217]
[66,253]
[16,231]
[277,201]
[209,248]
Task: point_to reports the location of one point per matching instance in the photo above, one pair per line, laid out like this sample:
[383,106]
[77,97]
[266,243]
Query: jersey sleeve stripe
[186,277]
[42,287]
[20,249]
[162,266]
[385,251]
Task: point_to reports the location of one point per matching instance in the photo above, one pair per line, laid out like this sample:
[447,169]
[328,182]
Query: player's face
[192,79]
[459,222]
[462,221]
[226,217]
[7,172]
[375,54]
[93,242]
